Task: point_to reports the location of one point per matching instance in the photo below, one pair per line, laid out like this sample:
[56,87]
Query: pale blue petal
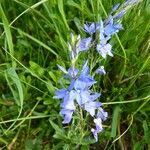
[60,93]
[104,50]
[115,7]
[99,128]
[101,50]
[84,82]
[73,71]
[71,86]
[85,97]
[85,44]
[91,107]
[101,70]
[78,97]
[68,102]
[91,28]
[85,69]
[80,85]
[88,80]
[62,69]
[82,97]
[94,96]
[67,114]
[102,114]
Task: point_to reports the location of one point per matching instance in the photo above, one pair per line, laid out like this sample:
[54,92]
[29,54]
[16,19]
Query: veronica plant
[79,93]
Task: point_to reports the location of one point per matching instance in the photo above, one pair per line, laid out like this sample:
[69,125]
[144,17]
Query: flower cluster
[79,91]
[106,29]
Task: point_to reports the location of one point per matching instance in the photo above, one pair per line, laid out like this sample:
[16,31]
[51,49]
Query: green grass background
[33,39]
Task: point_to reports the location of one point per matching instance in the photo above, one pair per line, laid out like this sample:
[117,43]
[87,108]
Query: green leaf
[36,68]
[18,95]
[51,74]
[59,132]
[115,121]
[56,127]
[61,10]
[7,31]
[66,147]
[50,87]
[146,132]
[85,147]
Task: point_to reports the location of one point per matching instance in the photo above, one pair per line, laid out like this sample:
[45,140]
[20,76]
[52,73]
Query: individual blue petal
[88,80]
[84,97]
[91,107]
[80,85]
[85,69]
[111,27]
[68,102]
[104,50]
[118,26]
[91,28]
[73,72]
[84,44]
[99,128]
[115,7]
[110,30]
[67,114]
[101,50]
[101,70]
[84,82]
[60,93]
[104,39]
[62,69]
[102,114]
[71,86]
[94,96]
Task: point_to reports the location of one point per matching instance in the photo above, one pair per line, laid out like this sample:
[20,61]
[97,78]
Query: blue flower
[82,97]
[67,105]
[104,50]
[99,128]
[101,70]
[71,72]
[84,44]
[84,81]
[112,27]
[102,114]
[91,28]
[91,106]
[67,114]
[60,93]
[68,102]
[79,93]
